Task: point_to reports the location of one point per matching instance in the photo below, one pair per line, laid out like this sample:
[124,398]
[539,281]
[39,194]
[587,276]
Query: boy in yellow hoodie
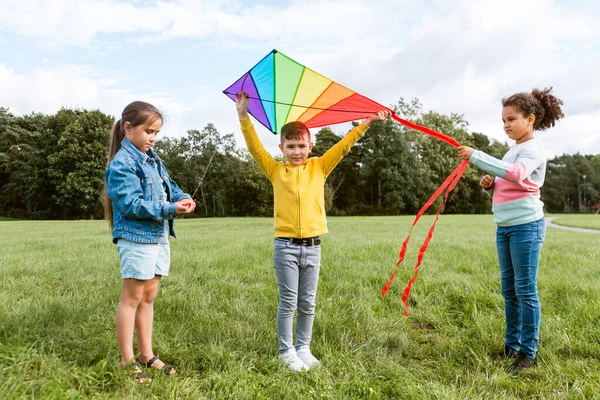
[299,209]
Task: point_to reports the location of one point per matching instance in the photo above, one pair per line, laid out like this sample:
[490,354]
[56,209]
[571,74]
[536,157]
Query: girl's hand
[241,103]
[184,206]
[380,116]
[465,152]
[486,182]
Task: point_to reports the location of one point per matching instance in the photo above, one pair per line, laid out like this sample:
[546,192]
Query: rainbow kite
[282,90]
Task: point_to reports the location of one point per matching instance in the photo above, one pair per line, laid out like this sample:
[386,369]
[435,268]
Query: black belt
[312,241]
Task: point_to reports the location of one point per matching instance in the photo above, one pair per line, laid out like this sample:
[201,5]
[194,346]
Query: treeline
[52,167]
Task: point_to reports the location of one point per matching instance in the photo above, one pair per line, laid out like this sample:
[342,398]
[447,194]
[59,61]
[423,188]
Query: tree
[52,167]
[78,165]
[343,185]
[20,140]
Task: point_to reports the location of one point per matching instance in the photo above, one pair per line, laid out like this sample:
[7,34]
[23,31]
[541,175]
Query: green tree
[344,184]
[564,190]
[78,165]
[22,164]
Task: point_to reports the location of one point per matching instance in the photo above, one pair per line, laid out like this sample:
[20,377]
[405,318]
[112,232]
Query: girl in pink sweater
[514,184]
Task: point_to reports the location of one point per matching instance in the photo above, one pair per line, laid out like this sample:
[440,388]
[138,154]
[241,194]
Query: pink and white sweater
[518,179]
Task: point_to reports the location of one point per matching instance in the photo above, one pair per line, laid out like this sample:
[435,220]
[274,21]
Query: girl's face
[517,126]
[143,136]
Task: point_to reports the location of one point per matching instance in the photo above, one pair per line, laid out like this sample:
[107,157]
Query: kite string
[204,174]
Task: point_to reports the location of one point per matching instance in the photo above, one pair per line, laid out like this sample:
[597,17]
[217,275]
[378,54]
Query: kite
[282,90]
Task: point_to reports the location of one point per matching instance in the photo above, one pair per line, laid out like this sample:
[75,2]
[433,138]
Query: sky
[455,56]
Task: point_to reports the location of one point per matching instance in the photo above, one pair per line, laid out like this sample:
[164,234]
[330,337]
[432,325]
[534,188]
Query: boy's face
[296,150]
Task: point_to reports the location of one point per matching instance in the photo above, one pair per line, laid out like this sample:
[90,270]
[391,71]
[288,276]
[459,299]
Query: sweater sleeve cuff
[245,122]
[362,129]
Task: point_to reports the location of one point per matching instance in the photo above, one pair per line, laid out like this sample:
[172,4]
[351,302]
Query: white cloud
[46,90]
[79,23]
[455,55]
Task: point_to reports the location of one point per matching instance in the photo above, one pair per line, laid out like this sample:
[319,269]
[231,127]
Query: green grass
[215,314]
[589,221]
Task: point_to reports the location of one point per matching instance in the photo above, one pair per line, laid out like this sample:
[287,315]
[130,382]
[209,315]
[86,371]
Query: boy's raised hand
[380,116]
[241,103]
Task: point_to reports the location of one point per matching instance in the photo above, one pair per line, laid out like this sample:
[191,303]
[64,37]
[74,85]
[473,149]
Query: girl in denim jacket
[141,203]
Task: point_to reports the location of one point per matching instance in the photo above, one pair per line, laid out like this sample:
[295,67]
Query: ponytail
[545,106]
[116,137]
[550,107]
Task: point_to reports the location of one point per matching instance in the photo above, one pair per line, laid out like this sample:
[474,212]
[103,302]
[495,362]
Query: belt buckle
[305,242]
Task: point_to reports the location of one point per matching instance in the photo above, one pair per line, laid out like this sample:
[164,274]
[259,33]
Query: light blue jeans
[143,261]
[297,270]
[519,254]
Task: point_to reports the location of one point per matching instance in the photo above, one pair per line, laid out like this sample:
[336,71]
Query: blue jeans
[519,255]
[297,269]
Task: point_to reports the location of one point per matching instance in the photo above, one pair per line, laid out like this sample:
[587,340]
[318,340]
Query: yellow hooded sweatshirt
[298,191]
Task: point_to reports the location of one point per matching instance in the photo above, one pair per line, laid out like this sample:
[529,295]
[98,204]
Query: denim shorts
[143,261]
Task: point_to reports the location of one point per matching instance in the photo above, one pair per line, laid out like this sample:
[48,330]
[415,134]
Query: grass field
[589,221]
[215,314]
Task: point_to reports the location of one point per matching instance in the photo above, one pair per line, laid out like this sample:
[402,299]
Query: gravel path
[569,228]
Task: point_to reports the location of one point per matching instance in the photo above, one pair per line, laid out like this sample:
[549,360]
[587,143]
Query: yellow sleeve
[262,157]
[334,155]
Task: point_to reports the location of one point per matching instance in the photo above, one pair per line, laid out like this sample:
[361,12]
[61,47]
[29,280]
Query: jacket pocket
[146,183]
[286,215]
[312,213]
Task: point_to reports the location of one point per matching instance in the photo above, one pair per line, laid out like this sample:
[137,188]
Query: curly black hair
[545,106]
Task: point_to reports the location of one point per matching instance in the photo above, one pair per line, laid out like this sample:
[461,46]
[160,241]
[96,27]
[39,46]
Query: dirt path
[569,228]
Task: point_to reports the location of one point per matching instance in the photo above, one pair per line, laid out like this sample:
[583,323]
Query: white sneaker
[292,361]
[306,356]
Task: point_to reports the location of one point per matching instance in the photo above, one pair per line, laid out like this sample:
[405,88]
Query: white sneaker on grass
[306,356]
[292,361]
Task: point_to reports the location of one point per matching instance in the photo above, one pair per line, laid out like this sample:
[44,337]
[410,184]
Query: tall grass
[215,314]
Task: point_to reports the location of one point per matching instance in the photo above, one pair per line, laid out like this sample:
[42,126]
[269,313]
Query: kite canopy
[282,90]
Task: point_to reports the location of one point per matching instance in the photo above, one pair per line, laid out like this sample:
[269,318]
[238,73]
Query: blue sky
[454,55]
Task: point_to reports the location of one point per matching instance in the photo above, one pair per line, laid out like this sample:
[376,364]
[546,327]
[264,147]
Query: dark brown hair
[542,104]
[136,113]
[294,130]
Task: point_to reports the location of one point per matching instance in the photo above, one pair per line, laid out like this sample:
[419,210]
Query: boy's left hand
[380,116]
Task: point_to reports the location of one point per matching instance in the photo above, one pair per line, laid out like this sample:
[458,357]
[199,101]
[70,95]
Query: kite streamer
[448,185]
[282,90]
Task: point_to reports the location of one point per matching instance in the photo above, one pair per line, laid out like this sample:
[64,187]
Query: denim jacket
[136,184]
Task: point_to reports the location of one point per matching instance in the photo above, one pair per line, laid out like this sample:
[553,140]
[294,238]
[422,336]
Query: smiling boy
[299,211]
